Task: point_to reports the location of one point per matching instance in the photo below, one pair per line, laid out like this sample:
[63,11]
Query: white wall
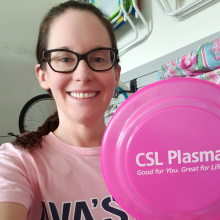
[19,22]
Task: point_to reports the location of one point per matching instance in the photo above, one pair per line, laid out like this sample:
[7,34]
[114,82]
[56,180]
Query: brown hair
[32,140]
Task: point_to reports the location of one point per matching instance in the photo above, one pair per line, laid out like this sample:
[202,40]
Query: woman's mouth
[83,95]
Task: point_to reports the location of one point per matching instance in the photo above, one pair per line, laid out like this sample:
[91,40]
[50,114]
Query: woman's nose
[83,72]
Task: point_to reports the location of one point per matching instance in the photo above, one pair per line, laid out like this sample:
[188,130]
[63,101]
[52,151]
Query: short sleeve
[14,183]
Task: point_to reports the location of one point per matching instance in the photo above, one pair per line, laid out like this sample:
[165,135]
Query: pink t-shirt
[57,182]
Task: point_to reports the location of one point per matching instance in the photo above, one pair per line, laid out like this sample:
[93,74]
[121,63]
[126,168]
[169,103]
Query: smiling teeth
[83,95]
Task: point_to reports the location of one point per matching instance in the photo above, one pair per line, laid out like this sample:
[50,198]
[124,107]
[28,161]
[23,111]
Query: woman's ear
[117,75]
[42,77]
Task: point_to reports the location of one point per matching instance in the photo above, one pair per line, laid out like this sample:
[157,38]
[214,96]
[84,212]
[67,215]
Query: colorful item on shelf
[138,5]
[130,9]
[111,8]
[119,23]
[203,63]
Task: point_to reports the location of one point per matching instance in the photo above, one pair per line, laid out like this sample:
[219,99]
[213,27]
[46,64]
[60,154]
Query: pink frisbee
[161,151]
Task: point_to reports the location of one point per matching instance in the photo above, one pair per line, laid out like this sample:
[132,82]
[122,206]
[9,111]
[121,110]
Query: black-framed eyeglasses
[66,61]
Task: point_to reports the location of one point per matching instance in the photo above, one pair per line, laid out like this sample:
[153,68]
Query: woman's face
[79,31]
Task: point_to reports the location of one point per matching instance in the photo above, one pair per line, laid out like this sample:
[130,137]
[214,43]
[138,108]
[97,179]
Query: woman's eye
[65,59]
[98,59]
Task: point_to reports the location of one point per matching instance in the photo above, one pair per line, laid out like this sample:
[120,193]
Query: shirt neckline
[86,151]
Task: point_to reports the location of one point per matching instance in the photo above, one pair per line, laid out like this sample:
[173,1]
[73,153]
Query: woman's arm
[16,194]
[12,211]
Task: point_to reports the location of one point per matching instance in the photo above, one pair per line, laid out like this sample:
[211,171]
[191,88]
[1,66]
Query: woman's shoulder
[16,183]
[9,148]
[14,156]
[17,155]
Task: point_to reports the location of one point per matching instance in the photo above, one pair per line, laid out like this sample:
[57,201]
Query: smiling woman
[44,172]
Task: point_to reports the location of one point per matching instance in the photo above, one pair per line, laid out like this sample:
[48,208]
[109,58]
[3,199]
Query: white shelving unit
[193,7]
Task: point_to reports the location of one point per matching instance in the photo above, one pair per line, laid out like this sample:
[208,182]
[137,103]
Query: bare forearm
[12,211]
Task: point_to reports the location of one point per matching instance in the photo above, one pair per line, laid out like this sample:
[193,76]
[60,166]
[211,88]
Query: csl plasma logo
[152,158]
[81,210]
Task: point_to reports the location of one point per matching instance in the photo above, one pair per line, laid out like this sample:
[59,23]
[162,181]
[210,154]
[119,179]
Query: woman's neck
[81,134]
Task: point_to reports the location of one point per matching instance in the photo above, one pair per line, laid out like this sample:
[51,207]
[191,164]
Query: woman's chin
[89,119]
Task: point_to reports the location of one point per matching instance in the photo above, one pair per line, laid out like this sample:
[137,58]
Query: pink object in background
[199,62]
[215,48]
[161,151]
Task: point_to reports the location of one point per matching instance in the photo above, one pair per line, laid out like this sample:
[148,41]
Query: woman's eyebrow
[67,48]
[64,47]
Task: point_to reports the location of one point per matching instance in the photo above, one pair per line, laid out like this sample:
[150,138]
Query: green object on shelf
[111,8]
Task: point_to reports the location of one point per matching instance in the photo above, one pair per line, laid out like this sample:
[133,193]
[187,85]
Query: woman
[55,173]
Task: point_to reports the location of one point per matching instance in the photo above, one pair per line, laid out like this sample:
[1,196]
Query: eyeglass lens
[67,61]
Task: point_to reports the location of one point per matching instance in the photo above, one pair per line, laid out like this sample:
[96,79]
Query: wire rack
[185,11]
